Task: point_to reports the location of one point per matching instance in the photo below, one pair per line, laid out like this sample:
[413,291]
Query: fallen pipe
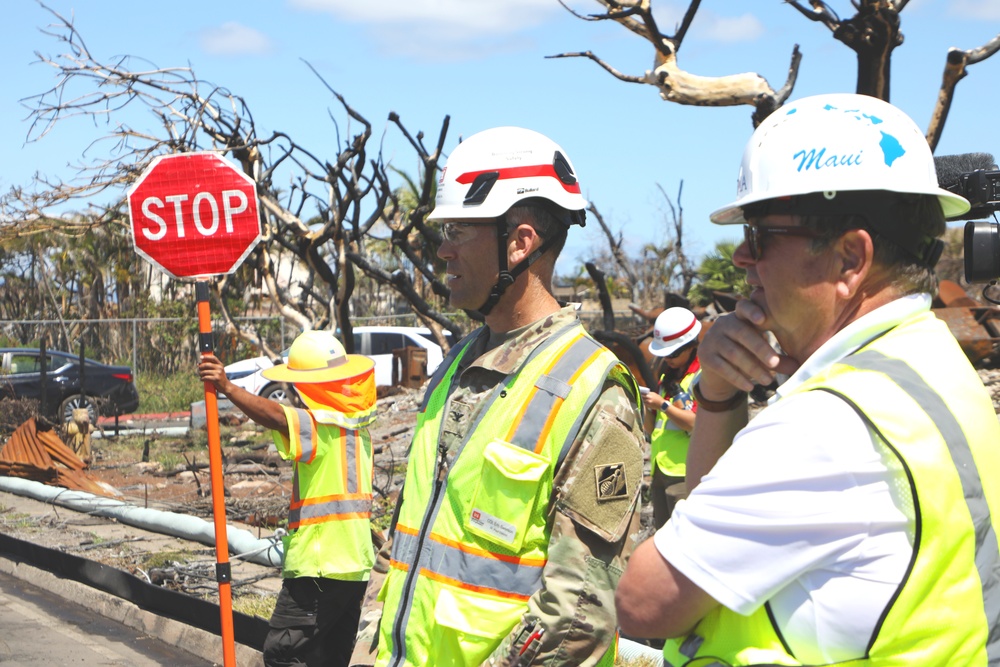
[242,543]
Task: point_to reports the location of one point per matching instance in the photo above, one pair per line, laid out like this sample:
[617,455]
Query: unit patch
[611,483]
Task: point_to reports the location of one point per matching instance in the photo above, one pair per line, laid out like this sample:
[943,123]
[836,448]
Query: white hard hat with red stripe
[674,328]
[495,169]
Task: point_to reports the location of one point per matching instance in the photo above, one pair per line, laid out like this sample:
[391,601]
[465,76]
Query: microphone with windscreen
[975,176]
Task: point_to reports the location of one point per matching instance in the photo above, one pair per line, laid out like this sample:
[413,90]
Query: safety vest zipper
[411,576]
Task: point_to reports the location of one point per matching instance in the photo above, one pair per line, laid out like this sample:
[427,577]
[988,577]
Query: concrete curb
[183,636]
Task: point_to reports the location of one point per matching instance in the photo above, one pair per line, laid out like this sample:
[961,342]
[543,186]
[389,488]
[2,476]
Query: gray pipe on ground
[242,543]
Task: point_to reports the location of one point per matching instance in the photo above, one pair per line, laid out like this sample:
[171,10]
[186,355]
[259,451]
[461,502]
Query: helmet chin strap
[508,276]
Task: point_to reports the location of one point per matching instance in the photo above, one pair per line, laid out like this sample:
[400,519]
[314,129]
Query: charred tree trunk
[872,34]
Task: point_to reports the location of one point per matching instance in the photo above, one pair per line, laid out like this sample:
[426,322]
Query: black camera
[975,176]
[982,251]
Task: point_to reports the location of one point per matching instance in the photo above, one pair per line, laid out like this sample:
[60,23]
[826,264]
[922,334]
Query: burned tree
[873,32]
[318,212]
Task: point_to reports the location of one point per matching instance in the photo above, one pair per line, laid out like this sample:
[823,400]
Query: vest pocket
[468,626]
[504,499]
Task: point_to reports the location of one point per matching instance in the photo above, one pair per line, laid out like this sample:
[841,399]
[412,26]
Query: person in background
[675,342]
[328,551]
[523,478]
[854,520]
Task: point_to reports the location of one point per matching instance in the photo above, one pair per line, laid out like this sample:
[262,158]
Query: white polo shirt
[805,511]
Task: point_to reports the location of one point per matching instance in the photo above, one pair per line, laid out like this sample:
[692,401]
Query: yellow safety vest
[329,517]
[933,414]
[469,544]
[668,442]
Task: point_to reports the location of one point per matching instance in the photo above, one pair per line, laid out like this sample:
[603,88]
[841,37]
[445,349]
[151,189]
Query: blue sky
[483,63]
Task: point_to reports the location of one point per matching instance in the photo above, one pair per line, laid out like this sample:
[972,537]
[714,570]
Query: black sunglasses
[679,351]
[754,236]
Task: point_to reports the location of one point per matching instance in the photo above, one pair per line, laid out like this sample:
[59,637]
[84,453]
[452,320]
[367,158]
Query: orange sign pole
[223,573]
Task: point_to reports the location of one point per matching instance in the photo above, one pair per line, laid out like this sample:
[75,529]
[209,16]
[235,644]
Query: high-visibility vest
[916,390]
[329,517]
[668,442]
[469,546]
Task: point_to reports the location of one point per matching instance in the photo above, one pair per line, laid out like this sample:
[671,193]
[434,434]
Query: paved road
[39,628]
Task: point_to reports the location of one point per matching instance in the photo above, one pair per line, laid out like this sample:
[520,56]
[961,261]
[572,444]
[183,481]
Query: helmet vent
[480,188]
[563,170]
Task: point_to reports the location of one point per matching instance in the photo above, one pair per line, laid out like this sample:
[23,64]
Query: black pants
[664,492]
[314,623]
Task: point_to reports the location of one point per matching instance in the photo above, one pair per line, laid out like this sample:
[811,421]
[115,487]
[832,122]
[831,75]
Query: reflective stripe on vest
[351,504]
[437,557]
[987,550]
[353,420]
[329,527]
[928,412]
[668,441]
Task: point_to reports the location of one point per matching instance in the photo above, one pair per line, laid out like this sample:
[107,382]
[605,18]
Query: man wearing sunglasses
[523,477]
[853,520]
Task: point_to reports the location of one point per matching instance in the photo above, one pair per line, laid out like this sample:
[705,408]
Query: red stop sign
[194,214]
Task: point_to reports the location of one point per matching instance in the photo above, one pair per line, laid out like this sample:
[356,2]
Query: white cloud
[441,30]
[234,39]
[476,17]
[976,9]
[746,28]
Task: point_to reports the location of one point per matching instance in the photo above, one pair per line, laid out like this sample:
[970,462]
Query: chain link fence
[158,346]
[167,345]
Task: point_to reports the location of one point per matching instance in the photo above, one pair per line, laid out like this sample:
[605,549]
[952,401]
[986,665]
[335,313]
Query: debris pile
[36,453]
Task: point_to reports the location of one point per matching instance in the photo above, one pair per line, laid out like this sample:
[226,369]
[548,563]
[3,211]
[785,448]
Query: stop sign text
[196,213]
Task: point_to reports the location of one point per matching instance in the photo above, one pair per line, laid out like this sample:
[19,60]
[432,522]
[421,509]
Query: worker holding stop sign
[194,215]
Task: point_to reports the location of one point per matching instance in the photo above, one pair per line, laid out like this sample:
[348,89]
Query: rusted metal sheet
[953,295]
[966,325]
[39,455]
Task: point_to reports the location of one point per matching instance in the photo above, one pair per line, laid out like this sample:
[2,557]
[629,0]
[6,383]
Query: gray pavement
[144,626]
[43,629]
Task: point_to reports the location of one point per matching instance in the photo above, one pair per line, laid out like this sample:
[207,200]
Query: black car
[107,391]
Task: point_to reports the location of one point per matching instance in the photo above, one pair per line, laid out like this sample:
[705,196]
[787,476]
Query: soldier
[523,476]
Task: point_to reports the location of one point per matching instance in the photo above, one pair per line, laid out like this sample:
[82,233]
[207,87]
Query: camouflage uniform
[589,543]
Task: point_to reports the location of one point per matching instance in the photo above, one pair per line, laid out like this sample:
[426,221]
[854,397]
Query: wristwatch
[664,405]
[730,403]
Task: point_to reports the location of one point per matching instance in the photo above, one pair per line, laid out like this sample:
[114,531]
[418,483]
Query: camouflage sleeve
[595,514]
[366,643]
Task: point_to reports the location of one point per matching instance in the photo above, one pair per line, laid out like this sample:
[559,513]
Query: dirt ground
[257,485]
[257,490]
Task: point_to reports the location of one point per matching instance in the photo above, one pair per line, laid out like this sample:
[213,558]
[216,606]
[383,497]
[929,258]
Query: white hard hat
[674,328]
[493,170]
[831,143]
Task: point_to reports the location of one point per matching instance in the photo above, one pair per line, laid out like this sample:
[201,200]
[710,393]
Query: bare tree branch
[676,84]
[314,223]
[955,69]
[619,255]
[608,68]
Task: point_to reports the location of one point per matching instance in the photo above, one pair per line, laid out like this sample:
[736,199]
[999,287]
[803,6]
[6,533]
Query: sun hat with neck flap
[316,357]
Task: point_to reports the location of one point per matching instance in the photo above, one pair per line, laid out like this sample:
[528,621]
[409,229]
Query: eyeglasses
[457,233]
[754,236]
